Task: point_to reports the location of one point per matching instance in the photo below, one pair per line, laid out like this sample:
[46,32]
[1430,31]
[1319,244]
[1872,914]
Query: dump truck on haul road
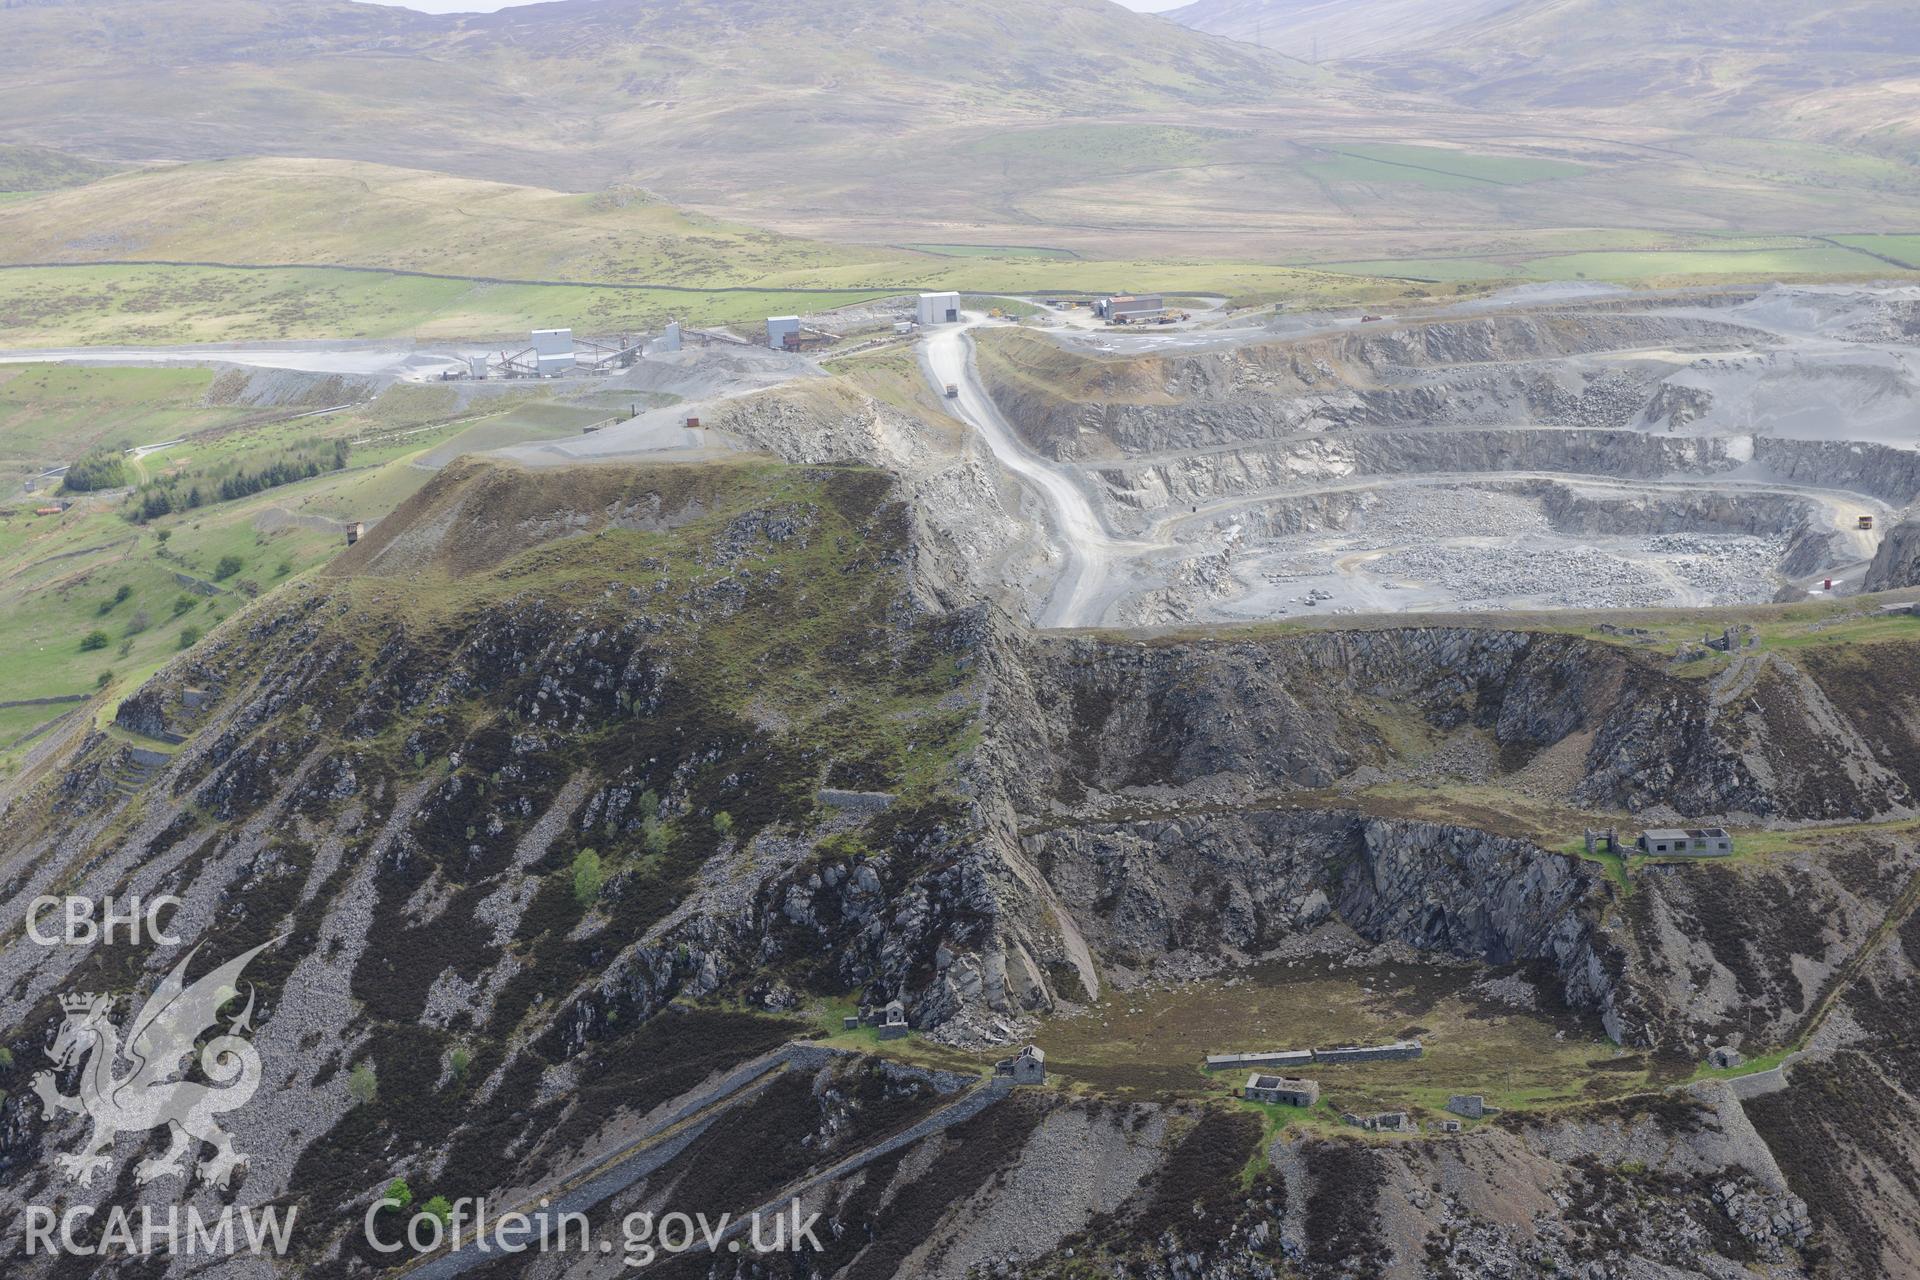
[953,391]
[1866,522]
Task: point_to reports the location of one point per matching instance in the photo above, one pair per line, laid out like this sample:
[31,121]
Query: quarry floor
[1818,364]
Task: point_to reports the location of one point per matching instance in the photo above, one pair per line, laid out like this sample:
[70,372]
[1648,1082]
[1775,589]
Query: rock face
[1458,372]
[1897,563]
[1084,717]
[1192,894]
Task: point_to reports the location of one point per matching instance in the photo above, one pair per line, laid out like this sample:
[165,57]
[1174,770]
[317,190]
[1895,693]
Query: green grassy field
[1744,258]
[1904,248]
[999,251]
[1439,168]
[50,414]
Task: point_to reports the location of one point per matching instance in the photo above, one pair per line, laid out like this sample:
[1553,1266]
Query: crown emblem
[78,1002]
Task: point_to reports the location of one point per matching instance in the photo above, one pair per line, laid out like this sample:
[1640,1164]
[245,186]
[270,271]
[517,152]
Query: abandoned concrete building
[1698,842]
[1471,1105]
[1029,1066]
[1398,1051]
[1291,1090]
[1724,1056]
[1385,1122]
[1444,1126]
[1277,1059]
[893,1021]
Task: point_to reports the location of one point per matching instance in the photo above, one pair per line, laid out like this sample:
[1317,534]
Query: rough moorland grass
[1152,1041]
[95,304]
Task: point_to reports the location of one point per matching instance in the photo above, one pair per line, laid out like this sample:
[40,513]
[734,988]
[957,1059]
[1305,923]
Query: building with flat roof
[1291,1090]
[1697,842]
[1125,308]
[938,308]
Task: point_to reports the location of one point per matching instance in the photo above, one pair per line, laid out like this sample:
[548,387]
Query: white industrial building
[779,328]
[939,308]
[553,352]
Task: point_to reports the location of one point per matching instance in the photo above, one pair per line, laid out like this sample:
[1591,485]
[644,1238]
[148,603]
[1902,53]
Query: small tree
[94,640]
[227,566]
[139,622]
[438,1208]
[399,1190]
[182,604]
[189,636]
[102,680]
[723,824]
[653,834]
[363,1084]
[587,876]
[460,1060]
[162,535]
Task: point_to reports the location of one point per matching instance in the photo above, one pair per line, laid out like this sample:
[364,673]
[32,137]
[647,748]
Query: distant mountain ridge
[1844,70]
[1332,30]
[605,81]
[1072,125]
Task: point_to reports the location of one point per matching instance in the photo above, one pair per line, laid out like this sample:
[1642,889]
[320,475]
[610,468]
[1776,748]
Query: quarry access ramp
[601,1177]
[966,1107]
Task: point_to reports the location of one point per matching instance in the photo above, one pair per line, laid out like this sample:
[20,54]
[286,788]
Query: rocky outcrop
[1897,562]
[967,546]
[1185,895]
[1087,722]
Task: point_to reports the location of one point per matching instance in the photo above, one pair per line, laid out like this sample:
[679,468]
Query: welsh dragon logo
[161,1041]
